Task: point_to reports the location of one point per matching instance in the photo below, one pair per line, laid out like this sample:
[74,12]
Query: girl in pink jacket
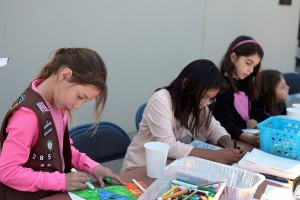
[36,152]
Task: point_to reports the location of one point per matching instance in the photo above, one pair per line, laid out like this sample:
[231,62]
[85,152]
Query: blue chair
[293,81]
[108,142]
[139,115]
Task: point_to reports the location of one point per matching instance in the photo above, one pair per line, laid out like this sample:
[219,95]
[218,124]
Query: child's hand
[100,172]
[251,123]
[76,180]
[227,155]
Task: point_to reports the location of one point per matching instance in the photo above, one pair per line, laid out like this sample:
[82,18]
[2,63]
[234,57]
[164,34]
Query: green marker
[108,179]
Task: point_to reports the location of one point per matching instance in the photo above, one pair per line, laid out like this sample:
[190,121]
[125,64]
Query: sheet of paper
[276,193]
[74,196]
[259,161]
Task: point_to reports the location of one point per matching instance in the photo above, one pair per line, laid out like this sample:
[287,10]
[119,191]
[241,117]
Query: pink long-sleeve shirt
[22,135]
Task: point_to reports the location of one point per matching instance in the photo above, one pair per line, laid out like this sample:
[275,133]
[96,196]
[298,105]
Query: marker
[276,178]
[177,194]
[186,183]
[108,179]
[139,185]
[186,198]
[87,183]
[170,190]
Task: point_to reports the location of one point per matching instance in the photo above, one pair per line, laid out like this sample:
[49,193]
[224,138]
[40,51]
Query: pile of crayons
[184,190]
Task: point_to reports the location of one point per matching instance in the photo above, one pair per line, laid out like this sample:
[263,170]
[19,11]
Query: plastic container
[199,177]
[241,184]
[281,137]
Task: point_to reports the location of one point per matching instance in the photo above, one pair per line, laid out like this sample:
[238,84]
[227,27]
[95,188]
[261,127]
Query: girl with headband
[240,66]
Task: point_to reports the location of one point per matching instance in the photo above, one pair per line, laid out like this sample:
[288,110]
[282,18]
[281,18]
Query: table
[140,175]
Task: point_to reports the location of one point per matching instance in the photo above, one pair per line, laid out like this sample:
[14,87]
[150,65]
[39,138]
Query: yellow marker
[176,194]
[170,190]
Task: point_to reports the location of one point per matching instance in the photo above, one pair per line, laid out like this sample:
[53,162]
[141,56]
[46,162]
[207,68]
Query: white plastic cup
[293,113]
[296,105]
[156,158]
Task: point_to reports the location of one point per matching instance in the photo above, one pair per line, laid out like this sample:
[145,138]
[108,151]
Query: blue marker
[89,184]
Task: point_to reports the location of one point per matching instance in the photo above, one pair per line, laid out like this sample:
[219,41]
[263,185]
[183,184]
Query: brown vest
[45,154]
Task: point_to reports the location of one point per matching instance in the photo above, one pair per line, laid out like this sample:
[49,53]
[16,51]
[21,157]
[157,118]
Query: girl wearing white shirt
[178,113]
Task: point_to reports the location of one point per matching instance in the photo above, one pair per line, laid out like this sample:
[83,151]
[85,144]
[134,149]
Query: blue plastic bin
[281,137]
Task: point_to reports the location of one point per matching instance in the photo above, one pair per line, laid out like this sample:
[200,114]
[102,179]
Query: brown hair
[265,91]
[87,67]
[241,49]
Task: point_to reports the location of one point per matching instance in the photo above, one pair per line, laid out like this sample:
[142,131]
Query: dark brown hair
[189,88]
[265,91]
[246,49]
[87,68]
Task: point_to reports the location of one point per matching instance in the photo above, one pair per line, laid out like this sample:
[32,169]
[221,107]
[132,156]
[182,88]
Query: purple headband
[244,42]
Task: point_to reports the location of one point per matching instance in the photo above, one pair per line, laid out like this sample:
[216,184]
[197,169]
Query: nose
[251,69]
[204,102]
[77,105]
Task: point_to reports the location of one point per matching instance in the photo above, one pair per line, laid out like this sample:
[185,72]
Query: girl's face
[244,65]
[67,95]
[282,90]
[208,98]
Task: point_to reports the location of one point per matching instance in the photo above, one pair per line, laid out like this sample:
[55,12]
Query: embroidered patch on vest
[48,131]
[49,145]
[47,124]
[42,107]
[18,100]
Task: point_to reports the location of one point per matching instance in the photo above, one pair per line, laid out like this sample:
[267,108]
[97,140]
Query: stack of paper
[262,162]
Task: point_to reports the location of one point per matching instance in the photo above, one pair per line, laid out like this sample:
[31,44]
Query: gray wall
[145,44]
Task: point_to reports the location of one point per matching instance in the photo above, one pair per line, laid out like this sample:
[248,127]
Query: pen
[276,178]
[87,183]
[139,185]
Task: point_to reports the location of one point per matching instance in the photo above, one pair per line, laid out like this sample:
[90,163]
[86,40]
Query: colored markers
[186,190]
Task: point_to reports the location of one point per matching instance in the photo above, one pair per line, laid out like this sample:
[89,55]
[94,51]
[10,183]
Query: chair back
[139,115]
[109,141]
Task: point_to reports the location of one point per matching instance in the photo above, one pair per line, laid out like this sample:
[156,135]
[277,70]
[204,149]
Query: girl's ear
[65,73]
[233,57]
